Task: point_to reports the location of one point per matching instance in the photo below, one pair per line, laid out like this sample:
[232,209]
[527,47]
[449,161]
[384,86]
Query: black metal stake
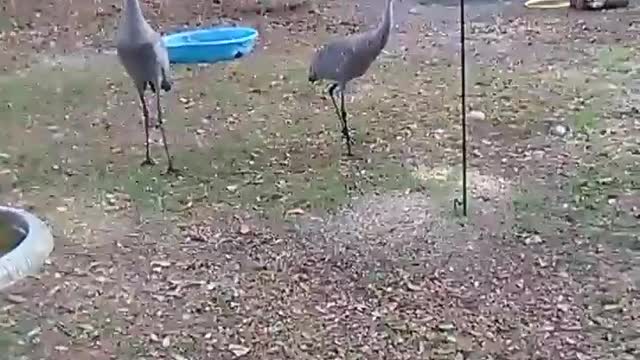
[463,97]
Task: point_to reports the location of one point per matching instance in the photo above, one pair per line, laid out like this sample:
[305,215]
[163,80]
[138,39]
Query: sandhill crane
[347,58]
[145,59]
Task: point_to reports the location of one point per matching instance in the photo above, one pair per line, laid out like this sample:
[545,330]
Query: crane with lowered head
[346,58]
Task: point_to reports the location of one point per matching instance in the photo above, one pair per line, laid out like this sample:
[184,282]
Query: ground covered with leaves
[272,244]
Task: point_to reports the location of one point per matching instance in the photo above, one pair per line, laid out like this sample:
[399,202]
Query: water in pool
[10,236]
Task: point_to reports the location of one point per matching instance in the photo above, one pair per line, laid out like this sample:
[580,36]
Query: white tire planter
[27,257]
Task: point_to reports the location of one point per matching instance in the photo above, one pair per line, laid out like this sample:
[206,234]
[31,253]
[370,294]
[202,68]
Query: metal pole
[463,97]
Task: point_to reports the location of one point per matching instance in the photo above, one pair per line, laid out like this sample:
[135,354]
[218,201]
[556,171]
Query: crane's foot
[148,162]
[349,152]
[173,171]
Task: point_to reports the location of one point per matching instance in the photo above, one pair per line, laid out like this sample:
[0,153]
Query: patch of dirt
[397,225]
[263,7]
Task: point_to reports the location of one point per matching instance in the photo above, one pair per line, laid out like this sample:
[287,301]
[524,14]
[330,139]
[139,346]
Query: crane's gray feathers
[140,62]
[346,58]
[142,51]
[163,60]
[164,85]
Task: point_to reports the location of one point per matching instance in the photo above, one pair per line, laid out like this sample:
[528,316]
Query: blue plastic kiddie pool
[210,45]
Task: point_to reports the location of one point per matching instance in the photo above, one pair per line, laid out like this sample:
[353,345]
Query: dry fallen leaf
[534,239]
[86,327]
[612,307]
[161,263]
[16,299]
[296,211]
[446,327]
[413,287]
[166,342]
[476,115]
[244,229]
[178,357]
[239,350]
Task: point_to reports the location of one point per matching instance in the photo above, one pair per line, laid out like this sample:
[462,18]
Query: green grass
[276,152]
[6,23]
[598,186]
[586,121]
[530,207]
[46,115]
[604,170]
[16,337]
[248,173]
[615,59]
[607,172]
[270,141]
[270,149]
[46,93]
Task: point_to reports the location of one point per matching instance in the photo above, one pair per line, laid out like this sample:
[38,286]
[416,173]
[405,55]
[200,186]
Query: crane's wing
[330,60]
[345,58]
[162,56]
[161,53]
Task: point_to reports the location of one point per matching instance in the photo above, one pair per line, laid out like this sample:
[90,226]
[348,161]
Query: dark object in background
[598,4]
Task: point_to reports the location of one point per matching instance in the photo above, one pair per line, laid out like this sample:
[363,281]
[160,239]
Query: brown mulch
[226,287]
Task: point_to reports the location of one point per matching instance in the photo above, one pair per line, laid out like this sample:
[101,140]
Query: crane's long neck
[384,28]
[132,16]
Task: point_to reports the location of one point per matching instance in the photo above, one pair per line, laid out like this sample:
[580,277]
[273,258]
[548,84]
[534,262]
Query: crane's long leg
[170,168]
[145,113]
[345,129]
[342,115]
[331,91]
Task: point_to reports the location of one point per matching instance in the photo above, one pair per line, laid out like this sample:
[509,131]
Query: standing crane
[145,59]
[346,58]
